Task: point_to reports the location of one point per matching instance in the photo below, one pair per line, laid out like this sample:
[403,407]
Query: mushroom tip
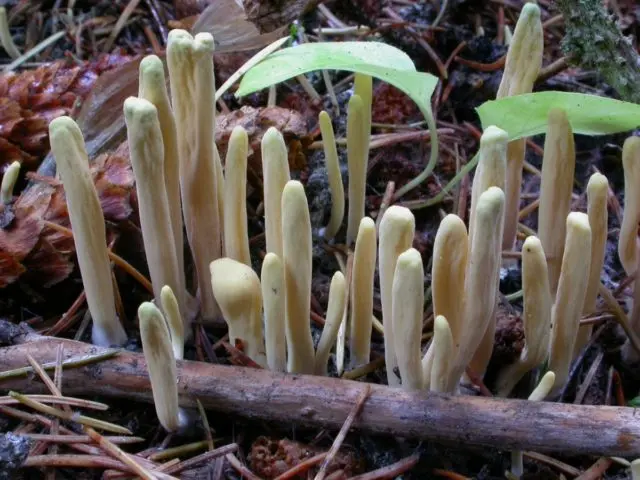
[62,125]
[493,134]
[579,221]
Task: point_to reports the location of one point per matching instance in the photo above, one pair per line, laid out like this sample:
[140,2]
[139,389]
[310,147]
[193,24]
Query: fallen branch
[326,402]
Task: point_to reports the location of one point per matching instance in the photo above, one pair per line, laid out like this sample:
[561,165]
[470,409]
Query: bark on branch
[325,402]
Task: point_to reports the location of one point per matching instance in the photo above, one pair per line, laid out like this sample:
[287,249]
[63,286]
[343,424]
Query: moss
[594,41]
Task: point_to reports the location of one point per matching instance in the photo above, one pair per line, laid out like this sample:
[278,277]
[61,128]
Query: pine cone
[29,100]
[28,246]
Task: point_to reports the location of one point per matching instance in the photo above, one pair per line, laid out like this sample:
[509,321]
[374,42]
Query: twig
[302,467]
[343,433]
[390,471]
[71,363]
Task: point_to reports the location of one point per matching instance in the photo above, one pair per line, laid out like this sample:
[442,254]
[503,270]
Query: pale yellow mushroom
[173,316]
[335,312]
[363,87]
[597,196]
[449,264]
[9,180]
[556,187]
[491,169]
[635,469]
[147,157]
[628,238]
[237,290]
[275,172]
[236,237]
[397,228]
[536,316]
[156,346]
[572,289]
[522,65]
[190,62]
[296,248]
[273,301]
[89,234]
[357,157]
[364,267]
[443,357]
[481,282]
[408,302]
[153,87]
[6,40]
[334,175]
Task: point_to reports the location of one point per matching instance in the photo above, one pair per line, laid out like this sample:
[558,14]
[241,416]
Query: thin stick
[343,433]
[391,471]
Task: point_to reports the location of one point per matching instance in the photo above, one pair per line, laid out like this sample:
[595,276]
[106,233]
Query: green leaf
[376,59]
[634,402]
[526,115]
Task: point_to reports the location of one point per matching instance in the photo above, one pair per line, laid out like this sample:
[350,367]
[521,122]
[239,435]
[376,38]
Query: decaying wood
[325,402]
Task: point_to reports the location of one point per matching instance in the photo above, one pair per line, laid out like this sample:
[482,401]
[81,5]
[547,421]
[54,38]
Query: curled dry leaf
[270,457]
[28,246]
[29,100]
[256,121]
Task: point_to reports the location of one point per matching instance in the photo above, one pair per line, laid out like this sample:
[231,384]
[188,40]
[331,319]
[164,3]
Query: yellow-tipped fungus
[190,62]
[236,237]
[89,234]
[334,175]
[9,180]
[628,239]
[335,311]
[147,156]
[536,316]
[237,290]
[357,157]
[558,168]
[397,228]
[443,357]
[156,346]
[408,301]
[523,63]
[364,267]
[153,87]
[449,264]
[273,301]
[597,195]
[481,282]
[572,289]
[275,172]
[296,247]
[172,314]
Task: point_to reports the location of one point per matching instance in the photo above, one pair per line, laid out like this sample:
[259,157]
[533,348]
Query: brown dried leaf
[10,269]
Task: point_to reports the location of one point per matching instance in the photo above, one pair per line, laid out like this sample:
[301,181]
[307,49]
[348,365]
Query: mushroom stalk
[237,290]
[236,237]
[335,311]
[482,278]
[536,316]
[597,196]
[443,357]
[296,247]
[156,346]
[334,175]
[153,87]
[89,234]
[572,289]
[523,63]
[190,62]
[558,168]
[273,300]
[9,180]
[174,321]
[408,301]
[397,228]
[275,172]
[357,156]
[628,239]
[147,156]
[450,252]
[364,267]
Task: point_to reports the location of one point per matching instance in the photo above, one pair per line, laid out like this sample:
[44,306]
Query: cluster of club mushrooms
[182,186]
